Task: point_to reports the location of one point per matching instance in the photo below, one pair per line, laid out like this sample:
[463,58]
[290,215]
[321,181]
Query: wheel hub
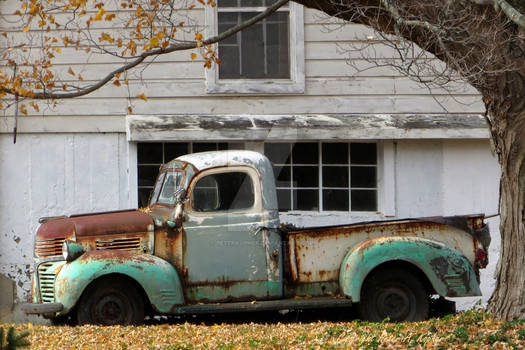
[394,303]
[110,310]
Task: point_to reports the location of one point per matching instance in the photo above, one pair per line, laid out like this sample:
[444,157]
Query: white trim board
[304,127]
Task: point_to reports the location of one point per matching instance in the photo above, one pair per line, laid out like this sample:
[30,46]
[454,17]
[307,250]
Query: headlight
[71,250]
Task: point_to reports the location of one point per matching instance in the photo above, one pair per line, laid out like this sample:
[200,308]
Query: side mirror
[175,219]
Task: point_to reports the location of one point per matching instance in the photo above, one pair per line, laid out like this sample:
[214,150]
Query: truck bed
[315,254]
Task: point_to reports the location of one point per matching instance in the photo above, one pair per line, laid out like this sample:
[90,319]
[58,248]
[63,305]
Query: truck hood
[98,224]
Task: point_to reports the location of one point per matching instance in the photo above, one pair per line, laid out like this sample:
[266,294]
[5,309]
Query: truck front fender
[156,276]
[449,271]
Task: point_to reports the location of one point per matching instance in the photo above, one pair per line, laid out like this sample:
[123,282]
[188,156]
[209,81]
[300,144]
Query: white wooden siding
[174,84]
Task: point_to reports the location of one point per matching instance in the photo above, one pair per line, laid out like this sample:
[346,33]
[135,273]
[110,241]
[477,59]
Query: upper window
[267,57]
[324,176]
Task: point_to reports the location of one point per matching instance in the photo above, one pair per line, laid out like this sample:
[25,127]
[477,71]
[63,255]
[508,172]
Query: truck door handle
[256,229]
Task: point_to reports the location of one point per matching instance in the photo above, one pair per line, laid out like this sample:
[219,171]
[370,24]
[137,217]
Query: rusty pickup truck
[210,241]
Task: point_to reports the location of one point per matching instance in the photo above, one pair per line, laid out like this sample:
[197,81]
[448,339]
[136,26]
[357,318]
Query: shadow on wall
[7,299]
[10,311]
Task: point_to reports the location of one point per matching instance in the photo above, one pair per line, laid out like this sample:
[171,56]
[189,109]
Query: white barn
[347,145]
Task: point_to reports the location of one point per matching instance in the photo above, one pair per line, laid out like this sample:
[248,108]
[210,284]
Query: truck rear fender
[157,278]
[448,271]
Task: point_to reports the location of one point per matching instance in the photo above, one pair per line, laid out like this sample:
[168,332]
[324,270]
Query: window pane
[363,176]
[277,54]
[335,200]
[174,150]
[149,153]
[283,176]
[335,176]
[227,20]
[305,153]
[227,191]
[363,153]
[230,65]
[252,49]
[306,199]
[147,174]
[283,200]
[305,176]
[206,195]
[335,153]
[204,147]
[227,3]
[278,153]
[364,200]
[144,194]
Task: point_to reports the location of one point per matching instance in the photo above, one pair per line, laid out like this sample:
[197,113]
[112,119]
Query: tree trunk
[508,299]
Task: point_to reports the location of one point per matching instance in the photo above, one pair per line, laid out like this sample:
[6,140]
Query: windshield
[167,183]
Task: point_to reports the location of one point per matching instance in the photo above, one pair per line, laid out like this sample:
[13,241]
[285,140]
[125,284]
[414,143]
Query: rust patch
[112,223]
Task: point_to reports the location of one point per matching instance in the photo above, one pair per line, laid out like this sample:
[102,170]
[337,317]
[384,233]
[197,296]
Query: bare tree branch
[180,46]
[513,14]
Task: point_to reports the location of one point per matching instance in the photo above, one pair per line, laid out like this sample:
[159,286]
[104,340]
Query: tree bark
[508,135]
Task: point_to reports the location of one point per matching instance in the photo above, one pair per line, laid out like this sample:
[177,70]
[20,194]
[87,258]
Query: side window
[222,192]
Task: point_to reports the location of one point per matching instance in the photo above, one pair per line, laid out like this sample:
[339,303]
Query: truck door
[228,252]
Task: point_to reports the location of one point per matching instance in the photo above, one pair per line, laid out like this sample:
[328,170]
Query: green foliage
[12,340]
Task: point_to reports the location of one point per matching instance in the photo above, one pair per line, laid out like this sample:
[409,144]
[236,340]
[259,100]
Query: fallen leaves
[472,329]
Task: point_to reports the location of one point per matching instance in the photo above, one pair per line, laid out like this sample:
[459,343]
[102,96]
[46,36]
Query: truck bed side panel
[315,255]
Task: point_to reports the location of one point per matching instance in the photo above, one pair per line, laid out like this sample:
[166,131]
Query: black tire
[63,320]
[394,294]
[110,301]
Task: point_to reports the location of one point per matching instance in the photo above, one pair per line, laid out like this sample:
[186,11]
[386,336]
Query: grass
[467,330]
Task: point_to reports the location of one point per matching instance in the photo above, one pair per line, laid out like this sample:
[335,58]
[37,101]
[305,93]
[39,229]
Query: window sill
[242,86]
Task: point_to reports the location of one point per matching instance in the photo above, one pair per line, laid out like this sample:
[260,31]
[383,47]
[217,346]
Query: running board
[267,305]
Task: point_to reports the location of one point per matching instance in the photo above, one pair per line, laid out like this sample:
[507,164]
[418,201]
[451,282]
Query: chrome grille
[48,248]
[128,243]
[46,279]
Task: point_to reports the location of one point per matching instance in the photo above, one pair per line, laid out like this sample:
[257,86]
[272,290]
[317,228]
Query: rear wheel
[394,294]
[111,301]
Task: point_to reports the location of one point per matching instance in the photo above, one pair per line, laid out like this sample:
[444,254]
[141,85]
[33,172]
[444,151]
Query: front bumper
[47,309]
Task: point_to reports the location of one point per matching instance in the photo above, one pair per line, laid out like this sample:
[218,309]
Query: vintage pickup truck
[210,241]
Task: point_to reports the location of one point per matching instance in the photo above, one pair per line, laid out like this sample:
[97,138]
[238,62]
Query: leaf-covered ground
[468,330]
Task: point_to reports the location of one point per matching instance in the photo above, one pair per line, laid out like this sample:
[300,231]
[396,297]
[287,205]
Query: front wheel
[394,294]
[111,301]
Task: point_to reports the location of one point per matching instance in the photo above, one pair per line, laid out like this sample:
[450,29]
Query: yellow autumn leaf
[130,110]
[154,42]
[191,7]
[70,71]
[198,36]
[26,28]
[193,56]
[116,83]
[35,106]
[99,14]
[142,97]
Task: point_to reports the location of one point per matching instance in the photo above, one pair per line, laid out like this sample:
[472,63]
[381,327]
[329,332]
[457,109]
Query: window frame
[294,85]
[320,187]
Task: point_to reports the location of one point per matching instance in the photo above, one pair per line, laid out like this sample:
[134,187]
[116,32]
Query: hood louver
[128,243]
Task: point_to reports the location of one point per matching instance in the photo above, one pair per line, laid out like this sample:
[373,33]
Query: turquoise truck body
[211,241]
